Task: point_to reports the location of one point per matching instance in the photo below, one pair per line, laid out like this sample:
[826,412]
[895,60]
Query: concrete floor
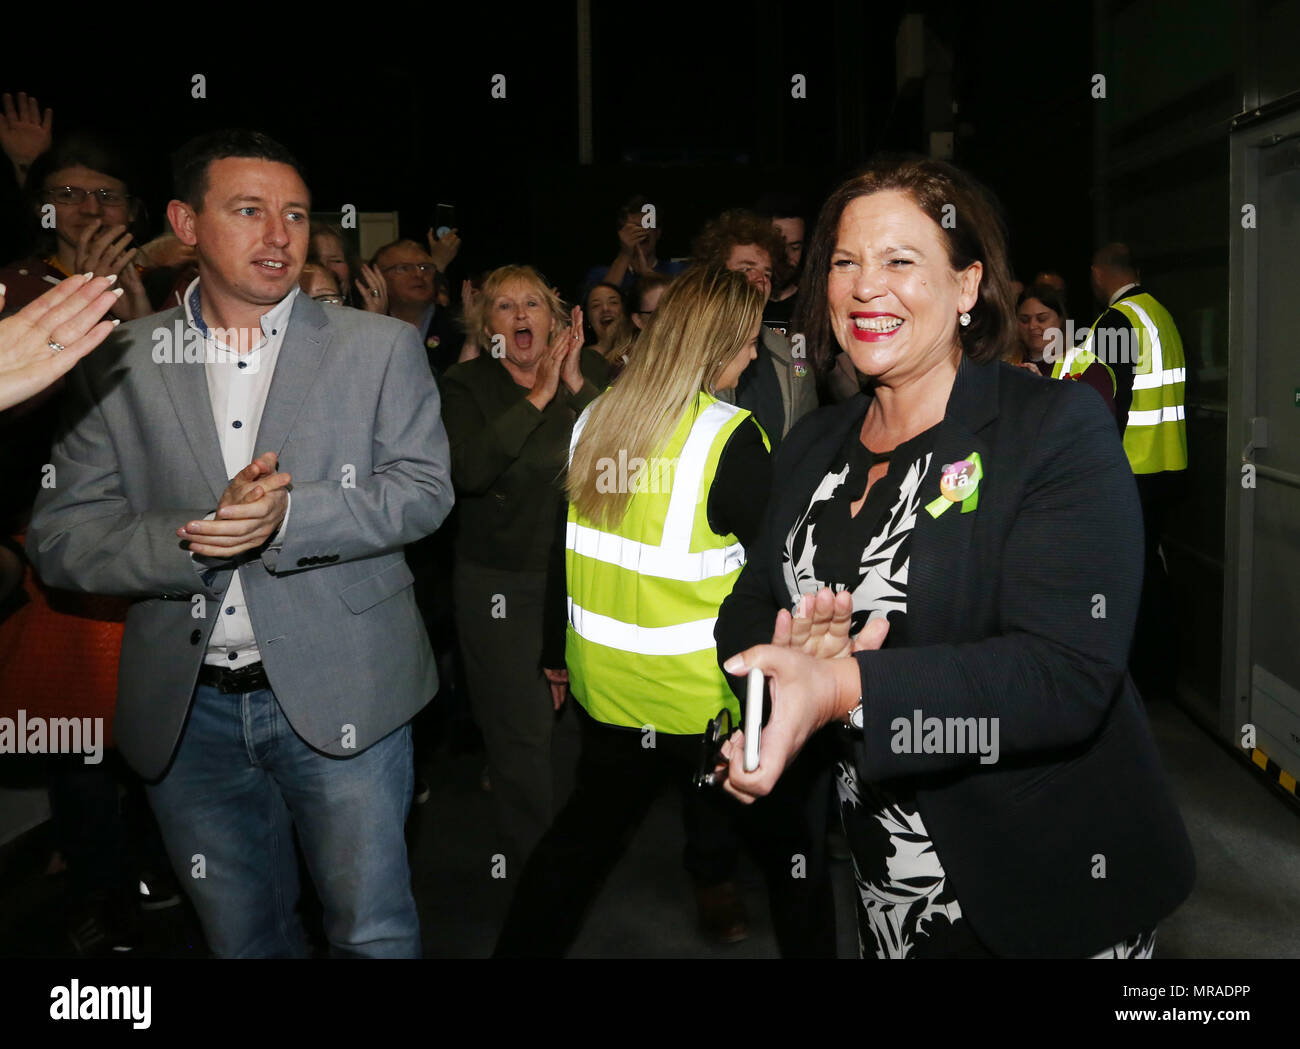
[1246,902]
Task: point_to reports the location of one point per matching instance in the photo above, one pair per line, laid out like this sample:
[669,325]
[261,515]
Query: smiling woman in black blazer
[999,786]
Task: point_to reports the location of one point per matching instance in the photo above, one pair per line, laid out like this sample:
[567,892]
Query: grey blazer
[354,415]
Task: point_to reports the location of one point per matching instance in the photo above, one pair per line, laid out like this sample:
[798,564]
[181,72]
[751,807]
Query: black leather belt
[251,678]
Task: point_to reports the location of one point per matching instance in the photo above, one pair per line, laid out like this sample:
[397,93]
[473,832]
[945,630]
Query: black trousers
[1154,658]
[617,780]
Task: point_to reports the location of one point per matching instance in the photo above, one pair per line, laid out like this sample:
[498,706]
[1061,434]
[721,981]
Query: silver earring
[965,319]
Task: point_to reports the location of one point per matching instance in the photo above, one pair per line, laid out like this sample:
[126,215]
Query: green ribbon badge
[959,483]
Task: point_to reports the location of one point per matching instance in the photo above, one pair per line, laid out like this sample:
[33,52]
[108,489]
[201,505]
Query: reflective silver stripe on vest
[1156,416]
[1072,353]
[679,640]
[680,522]
[653,560]
[1155,378]
[672,557]
[577,430]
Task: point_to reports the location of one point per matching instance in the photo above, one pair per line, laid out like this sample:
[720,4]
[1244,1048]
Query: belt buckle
[231,681]
[246,675]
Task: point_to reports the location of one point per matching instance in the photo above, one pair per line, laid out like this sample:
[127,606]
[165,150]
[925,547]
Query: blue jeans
[242,781]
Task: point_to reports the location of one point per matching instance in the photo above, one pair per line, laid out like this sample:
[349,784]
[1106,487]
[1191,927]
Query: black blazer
[1021,610]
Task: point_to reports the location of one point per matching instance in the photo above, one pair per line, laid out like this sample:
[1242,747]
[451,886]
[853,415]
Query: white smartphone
[753,718]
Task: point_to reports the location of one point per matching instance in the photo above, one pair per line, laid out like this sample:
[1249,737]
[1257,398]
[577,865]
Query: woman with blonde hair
[666,486]
[508,413]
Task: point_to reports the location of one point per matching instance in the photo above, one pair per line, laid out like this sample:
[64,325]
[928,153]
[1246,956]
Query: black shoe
[421,791]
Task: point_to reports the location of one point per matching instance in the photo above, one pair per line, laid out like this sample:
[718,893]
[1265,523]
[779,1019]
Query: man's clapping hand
[251,509]
[106,251]
[165,250]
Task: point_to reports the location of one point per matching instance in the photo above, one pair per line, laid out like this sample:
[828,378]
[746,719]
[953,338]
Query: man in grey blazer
[249,468]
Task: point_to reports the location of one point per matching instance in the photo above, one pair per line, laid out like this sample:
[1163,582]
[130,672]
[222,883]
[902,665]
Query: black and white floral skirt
[906,908]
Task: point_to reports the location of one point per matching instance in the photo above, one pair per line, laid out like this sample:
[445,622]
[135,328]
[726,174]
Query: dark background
[692,106]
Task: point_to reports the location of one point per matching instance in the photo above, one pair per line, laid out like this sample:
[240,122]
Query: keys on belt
[251,678]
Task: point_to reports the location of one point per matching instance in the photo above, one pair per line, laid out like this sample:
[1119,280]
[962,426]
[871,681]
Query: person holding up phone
[638,242]
[666,486]
[443,238]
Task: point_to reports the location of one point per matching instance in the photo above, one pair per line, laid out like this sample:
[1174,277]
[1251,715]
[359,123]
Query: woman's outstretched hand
[67,316]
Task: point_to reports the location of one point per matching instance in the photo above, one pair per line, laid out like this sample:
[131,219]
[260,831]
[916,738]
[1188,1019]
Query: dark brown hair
[1050,297]
[191,162]
[974,232]
[1047,295]
[720,235]
[589,329]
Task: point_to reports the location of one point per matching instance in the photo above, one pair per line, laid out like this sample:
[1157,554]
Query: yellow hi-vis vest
[1155,435]
[1078,360]
[643,598]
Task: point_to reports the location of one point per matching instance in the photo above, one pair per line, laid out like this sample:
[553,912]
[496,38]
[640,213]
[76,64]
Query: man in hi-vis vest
[1138,339]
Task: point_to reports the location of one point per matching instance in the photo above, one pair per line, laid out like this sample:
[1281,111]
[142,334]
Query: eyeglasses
[711,750]
[405,268]
[337,300]
[109,198]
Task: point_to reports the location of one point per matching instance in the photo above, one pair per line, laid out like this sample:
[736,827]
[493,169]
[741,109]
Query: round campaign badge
[958,481]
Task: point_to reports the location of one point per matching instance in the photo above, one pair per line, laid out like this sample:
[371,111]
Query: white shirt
[238,385]
[1121,293]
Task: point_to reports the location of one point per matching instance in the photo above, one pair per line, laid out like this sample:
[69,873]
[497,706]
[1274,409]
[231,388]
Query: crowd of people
[366,498]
